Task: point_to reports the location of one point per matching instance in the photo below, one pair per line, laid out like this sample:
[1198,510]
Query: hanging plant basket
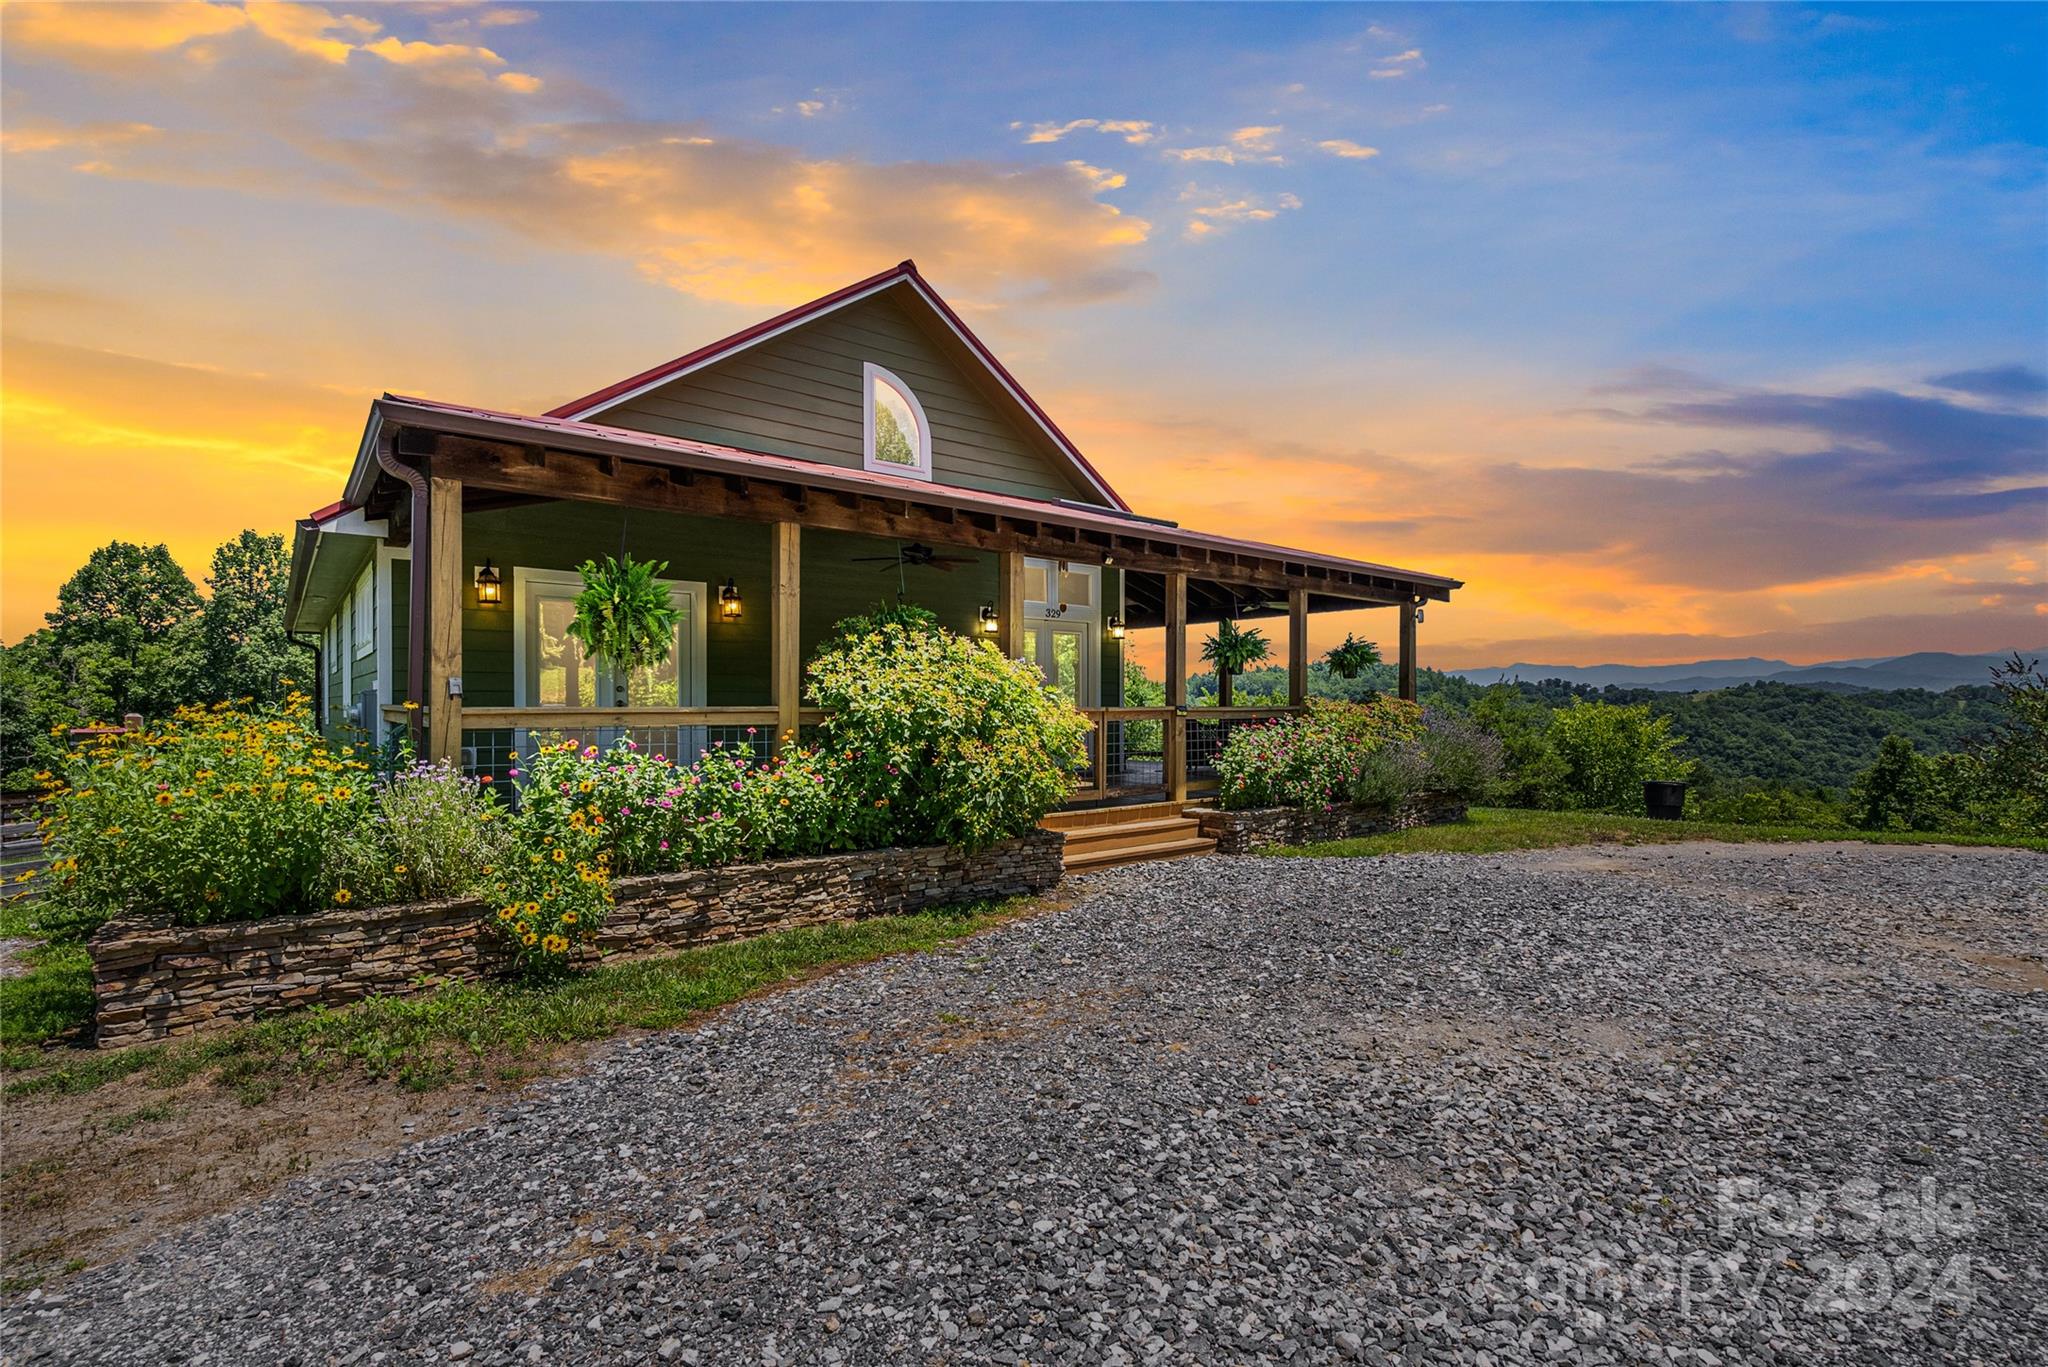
[624,616]
[1351,658]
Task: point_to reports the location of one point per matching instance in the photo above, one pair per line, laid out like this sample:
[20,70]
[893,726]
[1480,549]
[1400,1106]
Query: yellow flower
[507,913]
[561,856]
[568,918]
[533,908]
[555,944]
[342,794]
[398,868]
[528,938]
[412,706]
[163,799]
[342,895]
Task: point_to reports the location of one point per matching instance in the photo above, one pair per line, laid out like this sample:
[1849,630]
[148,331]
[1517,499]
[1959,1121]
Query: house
[862,447]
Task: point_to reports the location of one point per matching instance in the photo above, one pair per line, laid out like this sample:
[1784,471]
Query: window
[364,615]
[897,440]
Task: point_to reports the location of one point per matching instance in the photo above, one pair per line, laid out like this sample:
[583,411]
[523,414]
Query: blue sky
[1629,315]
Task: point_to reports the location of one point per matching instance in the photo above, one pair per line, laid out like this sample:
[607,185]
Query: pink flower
[664,844]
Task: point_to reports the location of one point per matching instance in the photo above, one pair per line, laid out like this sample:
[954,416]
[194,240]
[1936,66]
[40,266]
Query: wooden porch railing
[1129,748]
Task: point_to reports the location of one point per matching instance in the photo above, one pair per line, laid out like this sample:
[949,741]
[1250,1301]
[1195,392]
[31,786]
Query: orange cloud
[89,28]
[1344,147]
[102,444]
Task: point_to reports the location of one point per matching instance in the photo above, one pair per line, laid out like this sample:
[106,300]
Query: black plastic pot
[1664,801]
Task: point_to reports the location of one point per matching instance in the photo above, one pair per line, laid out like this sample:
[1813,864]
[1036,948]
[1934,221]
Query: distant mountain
[1933,670]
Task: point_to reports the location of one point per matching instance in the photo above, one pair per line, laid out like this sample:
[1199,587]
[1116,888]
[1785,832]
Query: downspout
[416,619]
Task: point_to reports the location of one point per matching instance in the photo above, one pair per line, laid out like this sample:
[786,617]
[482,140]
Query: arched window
[897,439]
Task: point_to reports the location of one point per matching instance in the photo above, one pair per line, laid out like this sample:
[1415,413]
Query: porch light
[1116,628]
[729,606]
[490,588]
[990,624]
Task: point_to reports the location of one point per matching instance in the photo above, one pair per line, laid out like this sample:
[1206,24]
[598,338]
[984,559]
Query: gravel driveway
[1688,1103]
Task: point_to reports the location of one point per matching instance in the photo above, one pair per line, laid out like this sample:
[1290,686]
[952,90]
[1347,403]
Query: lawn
[456,1032]
[1492,830]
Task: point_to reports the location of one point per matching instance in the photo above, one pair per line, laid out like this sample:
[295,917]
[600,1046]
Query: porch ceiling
[521,456]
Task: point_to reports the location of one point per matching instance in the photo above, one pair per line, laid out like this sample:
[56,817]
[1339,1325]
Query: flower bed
[154,979]
[1258,828]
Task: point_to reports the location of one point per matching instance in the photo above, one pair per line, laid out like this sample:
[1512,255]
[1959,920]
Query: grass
[1492,830]
[468,1031]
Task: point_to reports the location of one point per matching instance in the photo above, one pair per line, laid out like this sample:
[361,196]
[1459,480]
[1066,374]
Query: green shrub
[1610,751]
[1311,758]
[930,738]
[909,616]
[430,833]
[1389,775]
[1766,804]
[214,815]
[1460,759]
[1532,772]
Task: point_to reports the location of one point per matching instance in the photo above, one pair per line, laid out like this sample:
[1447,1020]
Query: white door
[1065,653]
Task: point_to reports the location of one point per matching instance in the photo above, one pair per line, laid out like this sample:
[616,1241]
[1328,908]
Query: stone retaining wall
[1264,827]
[153,979]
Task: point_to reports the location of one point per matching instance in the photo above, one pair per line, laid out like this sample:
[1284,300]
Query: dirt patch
[90,1177]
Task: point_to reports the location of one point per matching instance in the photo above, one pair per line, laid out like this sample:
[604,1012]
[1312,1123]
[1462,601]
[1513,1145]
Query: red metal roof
[905,272]
[573,434]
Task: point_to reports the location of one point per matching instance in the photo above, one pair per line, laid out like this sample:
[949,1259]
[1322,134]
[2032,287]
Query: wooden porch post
[1297,647]
[1408,651]
[1177,685]
[444,621]
[1010,603]
[785,672]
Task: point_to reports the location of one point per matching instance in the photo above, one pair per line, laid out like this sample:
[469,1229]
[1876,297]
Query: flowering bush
[931,738]
[1311,758]
[431,832]
[217,814]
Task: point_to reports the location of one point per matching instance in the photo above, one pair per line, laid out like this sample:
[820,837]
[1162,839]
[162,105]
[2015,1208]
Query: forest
[1760,732]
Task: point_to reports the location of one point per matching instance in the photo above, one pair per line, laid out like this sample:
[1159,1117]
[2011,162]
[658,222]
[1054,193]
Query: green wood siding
[799,395]
[836,585]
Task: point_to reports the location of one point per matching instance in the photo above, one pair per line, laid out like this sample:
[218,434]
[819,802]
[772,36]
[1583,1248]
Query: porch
[765,554]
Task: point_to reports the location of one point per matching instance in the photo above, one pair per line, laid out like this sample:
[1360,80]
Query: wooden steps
[1104,837]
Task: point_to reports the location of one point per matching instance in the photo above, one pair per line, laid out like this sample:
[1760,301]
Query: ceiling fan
[916,554]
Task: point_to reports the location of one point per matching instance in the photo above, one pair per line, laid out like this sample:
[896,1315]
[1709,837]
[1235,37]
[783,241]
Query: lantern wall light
[490,586]
[729,605]
[1116,628]
[990,623]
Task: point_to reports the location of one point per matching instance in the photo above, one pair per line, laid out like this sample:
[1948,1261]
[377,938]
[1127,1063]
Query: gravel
[1686,1104]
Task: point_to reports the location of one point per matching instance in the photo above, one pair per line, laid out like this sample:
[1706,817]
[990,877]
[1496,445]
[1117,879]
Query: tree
[127,624]
[2015,756]
[1533,773]
[247,653]
[1232,650]
[1893,793]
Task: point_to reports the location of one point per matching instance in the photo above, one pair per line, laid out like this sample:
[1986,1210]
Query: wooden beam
[1177,685]
[639,484]
[444,620]
[785,607]
[1010,603]
[1408,651]
[1297,647]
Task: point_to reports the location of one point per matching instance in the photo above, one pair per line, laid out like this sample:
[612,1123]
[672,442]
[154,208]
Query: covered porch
[765,553]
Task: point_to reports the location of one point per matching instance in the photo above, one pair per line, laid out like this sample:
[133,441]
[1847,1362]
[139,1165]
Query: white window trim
[869,373]
[364,633]
[525,581]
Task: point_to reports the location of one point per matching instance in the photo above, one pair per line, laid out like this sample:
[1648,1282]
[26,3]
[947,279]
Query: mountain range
[1933,670]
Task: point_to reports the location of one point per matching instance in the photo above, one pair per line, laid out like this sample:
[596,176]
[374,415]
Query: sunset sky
[1675,332]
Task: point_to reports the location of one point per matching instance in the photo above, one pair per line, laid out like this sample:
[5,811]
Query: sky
[1674,331]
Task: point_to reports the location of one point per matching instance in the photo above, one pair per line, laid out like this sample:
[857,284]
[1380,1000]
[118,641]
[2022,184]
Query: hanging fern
[624,616]
[1353,656]
[1234,649]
